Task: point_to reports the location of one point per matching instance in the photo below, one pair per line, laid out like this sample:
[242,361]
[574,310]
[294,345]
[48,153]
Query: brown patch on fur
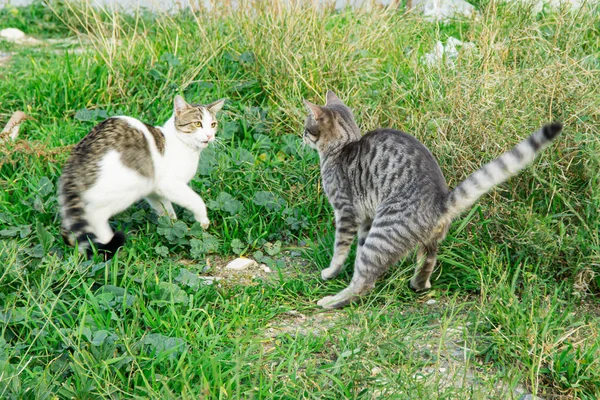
[111,134]
[159,138]
[186,119]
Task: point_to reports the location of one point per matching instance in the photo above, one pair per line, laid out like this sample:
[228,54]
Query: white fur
[118,186]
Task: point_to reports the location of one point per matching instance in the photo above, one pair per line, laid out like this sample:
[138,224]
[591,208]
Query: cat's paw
[204,223]
[340,300]
[329,273]
[417,286]
[203,219]
[326,302]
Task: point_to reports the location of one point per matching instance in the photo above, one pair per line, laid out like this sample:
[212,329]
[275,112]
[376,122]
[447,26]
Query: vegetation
[518,279]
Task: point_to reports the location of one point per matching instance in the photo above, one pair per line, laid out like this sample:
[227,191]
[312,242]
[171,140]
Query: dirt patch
[455,364]
[214,270]
[295,323]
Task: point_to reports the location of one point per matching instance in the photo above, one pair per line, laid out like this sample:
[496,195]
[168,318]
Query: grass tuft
[513,307]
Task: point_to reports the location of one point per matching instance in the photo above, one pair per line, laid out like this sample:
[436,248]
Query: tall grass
[522,267]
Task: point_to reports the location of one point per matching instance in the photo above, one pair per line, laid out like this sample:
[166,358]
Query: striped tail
[75,226]
[499,170]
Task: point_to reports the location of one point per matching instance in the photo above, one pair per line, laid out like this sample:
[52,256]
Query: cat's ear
[216,106]
[179,104]
[331,98]
[315,110]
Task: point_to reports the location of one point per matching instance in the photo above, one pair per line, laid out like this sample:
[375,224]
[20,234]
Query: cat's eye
[213,125]
[199,124]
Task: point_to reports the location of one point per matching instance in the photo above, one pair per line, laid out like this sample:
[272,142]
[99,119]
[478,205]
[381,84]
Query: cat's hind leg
[98,222]
[161,206]
[427,257]
[387,241]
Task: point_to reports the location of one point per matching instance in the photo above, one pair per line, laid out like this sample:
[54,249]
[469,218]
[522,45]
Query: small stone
[241,264]
[265,268]
[12,34]
[375,371]
[430,302]
[443,370]
[209,280]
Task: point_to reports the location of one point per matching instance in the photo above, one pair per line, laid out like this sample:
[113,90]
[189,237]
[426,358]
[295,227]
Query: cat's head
[196,124]
[331,126]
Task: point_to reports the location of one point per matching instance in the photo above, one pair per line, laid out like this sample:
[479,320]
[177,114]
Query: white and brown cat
[123,160]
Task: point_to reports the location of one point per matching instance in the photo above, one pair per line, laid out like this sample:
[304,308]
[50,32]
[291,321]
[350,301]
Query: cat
[123,160]
[387,187]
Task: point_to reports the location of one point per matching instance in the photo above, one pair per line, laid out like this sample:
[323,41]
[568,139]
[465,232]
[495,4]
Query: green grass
[518,276]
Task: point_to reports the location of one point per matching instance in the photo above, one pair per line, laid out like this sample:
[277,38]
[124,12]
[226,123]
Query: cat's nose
[209,136]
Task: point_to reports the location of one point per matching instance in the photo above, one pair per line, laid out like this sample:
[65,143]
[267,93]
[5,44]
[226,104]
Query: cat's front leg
[182,194]
[345,230]
[161,206]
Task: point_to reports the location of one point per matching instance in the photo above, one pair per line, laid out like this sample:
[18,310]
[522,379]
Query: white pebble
[240,264]
[209,280]
[430,302]
[265,268]
[12,34]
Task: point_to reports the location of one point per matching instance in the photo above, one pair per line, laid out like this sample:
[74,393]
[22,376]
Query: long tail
[499,170]
[75,226]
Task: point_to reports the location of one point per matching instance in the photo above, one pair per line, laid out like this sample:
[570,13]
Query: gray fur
[388,188]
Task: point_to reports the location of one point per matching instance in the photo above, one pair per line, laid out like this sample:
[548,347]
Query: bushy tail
[499,170]
[75,226]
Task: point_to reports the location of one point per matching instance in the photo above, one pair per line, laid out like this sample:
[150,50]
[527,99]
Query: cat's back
[392,142]
[389,162]
[122,134]
[133,141]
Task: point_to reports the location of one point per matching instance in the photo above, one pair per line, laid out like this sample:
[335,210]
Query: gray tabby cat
[123,160]
[387,187]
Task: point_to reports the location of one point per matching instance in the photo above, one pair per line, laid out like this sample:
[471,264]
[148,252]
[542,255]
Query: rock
[448,52]
[265,268]
[241,264]
[12,34]
[375,371]
[430,302]
[443,10]
[209,280]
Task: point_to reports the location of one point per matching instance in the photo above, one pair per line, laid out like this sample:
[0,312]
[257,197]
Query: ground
[514,306]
